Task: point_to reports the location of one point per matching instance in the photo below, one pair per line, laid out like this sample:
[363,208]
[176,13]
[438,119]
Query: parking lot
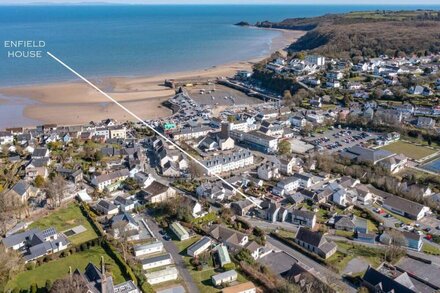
[431,223]
[334,140]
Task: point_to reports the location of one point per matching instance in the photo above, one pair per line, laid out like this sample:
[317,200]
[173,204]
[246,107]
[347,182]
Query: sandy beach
[76,102]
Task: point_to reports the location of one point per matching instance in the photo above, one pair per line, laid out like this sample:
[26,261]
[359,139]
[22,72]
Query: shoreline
[74,102]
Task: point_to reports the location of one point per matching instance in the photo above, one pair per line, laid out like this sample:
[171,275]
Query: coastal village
[330,185]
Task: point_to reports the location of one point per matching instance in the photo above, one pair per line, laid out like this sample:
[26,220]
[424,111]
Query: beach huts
[179,231]
[164,275]
[224,278]
[157,261]
[199,247]
[146,249]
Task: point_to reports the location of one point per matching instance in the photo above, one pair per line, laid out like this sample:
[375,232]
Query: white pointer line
[149,126]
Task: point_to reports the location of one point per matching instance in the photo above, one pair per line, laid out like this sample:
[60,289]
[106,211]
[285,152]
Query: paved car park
[334,140]
[430,223]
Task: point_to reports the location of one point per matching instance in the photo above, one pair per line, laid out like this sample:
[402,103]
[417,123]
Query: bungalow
[147,249]
[425,122]
[37,167]
[157,261]
[179,231]
[164,275]
[315,242]
[351,223]
[405,208]
[199,247]
[224,278]
[106,208]
[378,282]
[222,255]
[412,240]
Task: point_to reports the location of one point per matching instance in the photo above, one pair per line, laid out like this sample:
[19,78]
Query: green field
[66,218]
[408,149]
[59,268]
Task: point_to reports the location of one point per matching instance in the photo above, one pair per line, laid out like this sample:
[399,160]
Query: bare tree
[195,170]
[11,265]
[396,245]
[70,284]
[120,231]
[56,190]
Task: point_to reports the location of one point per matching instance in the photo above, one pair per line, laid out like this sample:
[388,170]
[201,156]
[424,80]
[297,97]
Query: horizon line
[97,3]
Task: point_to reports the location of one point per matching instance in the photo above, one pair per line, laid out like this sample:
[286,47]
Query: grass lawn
[430,249]
[59,268]
[408,149]
[347,251]
[347,234]
[66,218]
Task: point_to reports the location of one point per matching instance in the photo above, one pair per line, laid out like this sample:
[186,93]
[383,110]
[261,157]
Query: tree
[284,147]
[34,288]
[70,284]
[195,170]
[49,284]
[11,265]
[39,181]
[56,190]
[396,245]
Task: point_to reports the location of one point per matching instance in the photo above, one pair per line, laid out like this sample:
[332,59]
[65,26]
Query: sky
[310,2]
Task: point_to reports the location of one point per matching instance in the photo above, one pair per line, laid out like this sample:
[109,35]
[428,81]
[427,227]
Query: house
[97,281]
[315,59]
[157,261]
[302,218]
[242,207]
[124,204]
[110,181]
[34,243]
[164,275]
[118,132]
[377,282]
[351,223]
[315,242]
[126,226]
[222,255]
[188,133]
[394,164]
[106,208]
[37,167]
[405,208]
[179,231]
[6,137]
[268,171]
[226,162]
[147,249]
[364,196]
[224,278]
[40,153]
[215,191]
[157,192]
[199,247]
[231,238]
[412,240]
[247,287]
[425,122]
[23,191]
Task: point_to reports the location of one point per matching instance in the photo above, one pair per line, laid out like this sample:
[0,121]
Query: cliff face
[366,33]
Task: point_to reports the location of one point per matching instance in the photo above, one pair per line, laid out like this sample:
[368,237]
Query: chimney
[104,277]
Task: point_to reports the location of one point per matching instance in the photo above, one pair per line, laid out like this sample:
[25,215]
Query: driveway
[171,248]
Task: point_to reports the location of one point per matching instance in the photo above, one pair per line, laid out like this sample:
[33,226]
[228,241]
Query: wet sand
[76,102]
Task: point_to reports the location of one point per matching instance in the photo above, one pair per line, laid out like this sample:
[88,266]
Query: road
[433,258]
[171,248]
[330,276]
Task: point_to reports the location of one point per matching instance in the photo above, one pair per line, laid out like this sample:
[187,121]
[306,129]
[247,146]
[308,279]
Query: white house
[224,278]
[199,247]
[165,275]
[146,249]
[157,261]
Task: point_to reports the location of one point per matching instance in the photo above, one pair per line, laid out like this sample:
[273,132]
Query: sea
[133,40]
